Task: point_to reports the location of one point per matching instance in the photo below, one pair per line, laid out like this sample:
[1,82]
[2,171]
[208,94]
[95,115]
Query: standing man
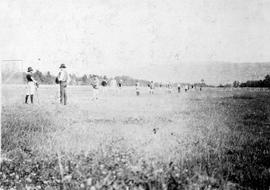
[151,86]
[113,85]
[186,88]
[179,87]
[95,85]
[170,87]
[120,83]
[31,85]
[202,83]
[63,80]
[137,88]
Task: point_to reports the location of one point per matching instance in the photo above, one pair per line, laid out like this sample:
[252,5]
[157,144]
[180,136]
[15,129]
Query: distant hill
[213,73]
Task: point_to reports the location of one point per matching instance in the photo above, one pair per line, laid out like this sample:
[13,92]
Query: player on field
[186,88]
[169,88]
[178,87]
[63,81]
[151,87]
[113,86]
[137,88]
[31,85]
[95,85]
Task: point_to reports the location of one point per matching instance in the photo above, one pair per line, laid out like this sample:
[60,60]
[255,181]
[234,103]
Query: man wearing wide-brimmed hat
[31,85]
[63,80]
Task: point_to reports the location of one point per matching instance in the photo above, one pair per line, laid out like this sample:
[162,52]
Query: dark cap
[62,66]
[29,69]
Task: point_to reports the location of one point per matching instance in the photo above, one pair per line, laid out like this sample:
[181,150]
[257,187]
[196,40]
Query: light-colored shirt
[137,86]
[152,85]
[95,83]
[63,75]
[113,83]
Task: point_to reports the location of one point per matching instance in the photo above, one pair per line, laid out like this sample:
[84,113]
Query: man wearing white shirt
[63,80]
[95,85]
[113,85]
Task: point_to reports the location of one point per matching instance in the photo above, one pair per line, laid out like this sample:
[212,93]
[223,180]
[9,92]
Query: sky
[159,40]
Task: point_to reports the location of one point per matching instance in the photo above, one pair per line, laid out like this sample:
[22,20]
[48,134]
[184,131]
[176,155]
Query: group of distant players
[62,79]
[96,83]
[151,88]
[169,86]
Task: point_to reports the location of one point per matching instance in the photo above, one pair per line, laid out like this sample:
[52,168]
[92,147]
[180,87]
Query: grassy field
[210,139]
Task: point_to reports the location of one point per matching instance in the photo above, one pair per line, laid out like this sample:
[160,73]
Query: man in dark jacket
[31,85]
[63,80]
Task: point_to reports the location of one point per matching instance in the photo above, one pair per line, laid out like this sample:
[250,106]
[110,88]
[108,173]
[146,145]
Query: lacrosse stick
[37,93]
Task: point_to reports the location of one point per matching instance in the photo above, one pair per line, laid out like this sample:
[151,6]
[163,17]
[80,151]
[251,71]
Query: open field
[210,139]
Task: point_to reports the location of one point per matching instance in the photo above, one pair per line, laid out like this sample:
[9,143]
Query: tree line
[48,78]
[86,79]
[254,83]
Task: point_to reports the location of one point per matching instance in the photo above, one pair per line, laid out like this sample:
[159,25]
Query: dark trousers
[31,97]
[63,93]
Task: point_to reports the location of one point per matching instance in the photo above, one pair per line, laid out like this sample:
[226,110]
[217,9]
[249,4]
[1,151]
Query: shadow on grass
[248,159]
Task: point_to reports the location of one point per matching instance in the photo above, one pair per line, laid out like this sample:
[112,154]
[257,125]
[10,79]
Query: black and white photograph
[135,95]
